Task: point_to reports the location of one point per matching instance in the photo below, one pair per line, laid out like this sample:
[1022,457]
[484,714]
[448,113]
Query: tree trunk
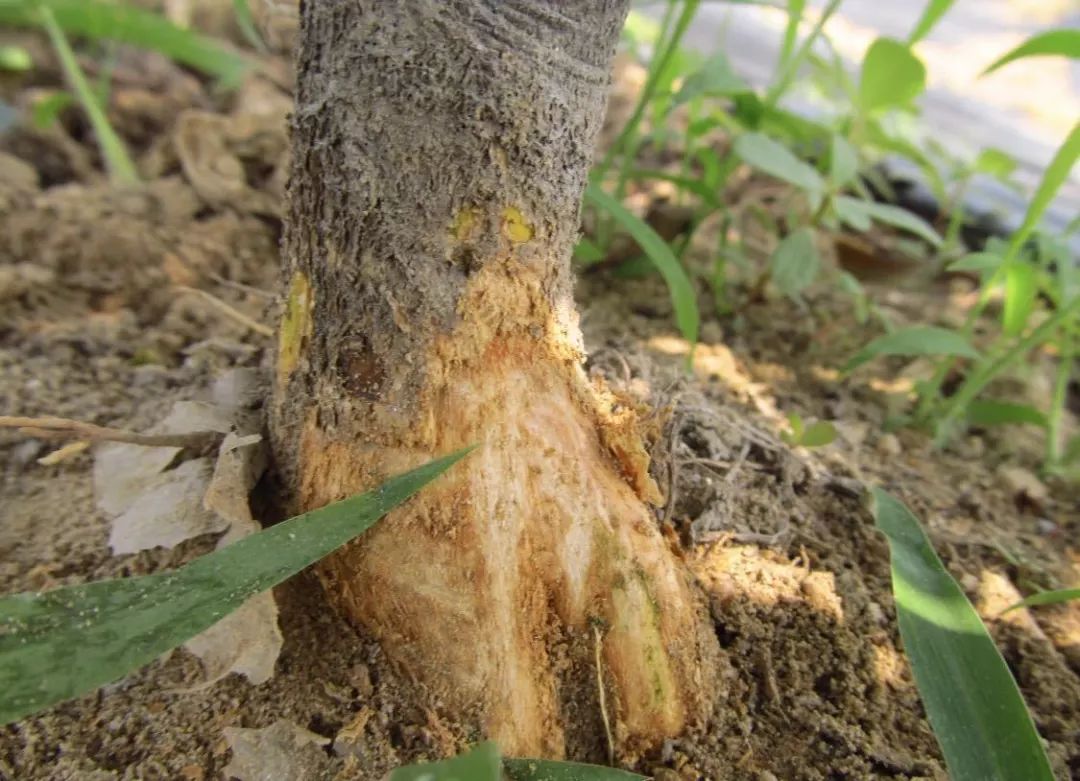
[440,153]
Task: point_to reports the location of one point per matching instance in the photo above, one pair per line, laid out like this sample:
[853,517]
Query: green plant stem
[1054,421]
[121,169]
[993,366]
[1053,178]
[791,68]
[956,220]
[656,68]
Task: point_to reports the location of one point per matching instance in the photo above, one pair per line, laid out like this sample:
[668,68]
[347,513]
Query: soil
[97,324]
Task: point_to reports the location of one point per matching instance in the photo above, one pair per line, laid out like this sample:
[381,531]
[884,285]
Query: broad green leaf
[548,770]
[916,340]
[988,412]
[1021,286]
[102,20]
[795,262]
[775,159]
[977,261]
[971,700]
[59,644]
[794,436]
[679,286]
[1064,42]
[891,76]
[996,163]
[818,434]
[934,10]
[1047,598]
[587,251]
[714,78]
[481,763]
[848,207]
[850,212]
[843,161]
[15,58]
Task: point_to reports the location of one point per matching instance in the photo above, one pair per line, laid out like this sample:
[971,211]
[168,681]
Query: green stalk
[791,68]
[956,220]
[1066,350]
[658,65]
[1053,177]
[121,169]
[990,368]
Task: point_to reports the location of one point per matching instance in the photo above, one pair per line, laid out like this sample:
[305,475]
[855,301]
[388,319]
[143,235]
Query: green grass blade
[990,412]
[935,9]
[977,261]
[547,770]
[795,10]
[1047,598]
[60,644]
[916,340]
[119,165]
[1055,175]
[246,22]
[480,763]
[656,70]
[100,20]
[679,285]
[1021,287]
[971,700]
[1064,42]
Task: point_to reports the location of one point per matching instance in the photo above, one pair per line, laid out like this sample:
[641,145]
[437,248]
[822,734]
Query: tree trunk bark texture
[440,152]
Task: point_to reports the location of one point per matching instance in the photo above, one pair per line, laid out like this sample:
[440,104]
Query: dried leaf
[122,472]
[249,640]
[168,511]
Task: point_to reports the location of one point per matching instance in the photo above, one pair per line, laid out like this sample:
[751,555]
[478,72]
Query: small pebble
[889,445]
[1045,527]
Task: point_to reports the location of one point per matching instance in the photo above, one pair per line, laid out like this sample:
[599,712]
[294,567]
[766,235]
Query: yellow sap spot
[465,223]
[515,227]
[295,326]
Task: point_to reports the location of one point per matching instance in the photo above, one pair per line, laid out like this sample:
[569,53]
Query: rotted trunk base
[495,585]
[440,152]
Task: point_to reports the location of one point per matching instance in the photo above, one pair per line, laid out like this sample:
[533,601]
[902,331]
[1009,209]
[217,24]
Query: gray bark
[407,113]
